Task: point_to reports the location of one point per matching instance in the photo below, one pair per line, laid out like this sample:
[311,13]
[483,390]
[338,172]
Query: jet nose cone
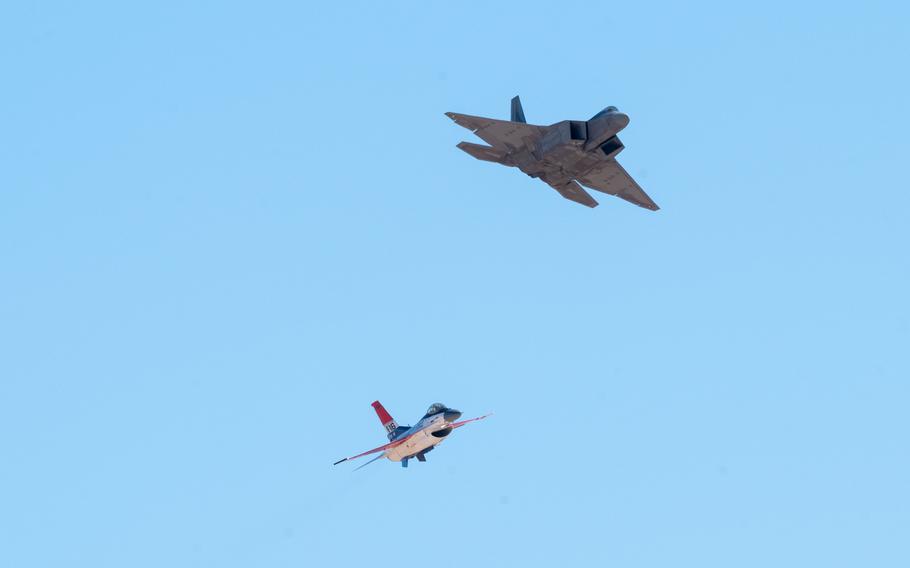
[452,415]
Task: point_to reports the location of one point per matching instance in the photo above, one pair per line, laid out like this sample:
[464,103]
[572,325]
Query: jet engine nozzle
[603,126]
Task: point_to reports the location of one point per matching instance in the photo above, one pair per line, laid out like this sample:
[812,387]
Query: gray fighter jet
[562,155]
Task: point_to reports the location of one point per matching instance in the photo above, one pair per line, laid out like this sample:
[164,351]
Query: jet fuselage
[430,431]
[566,155]
[567,149]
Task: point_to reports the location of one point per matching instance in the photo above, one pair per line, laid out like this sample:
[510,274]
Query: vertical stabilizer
[387,421]
[518,113]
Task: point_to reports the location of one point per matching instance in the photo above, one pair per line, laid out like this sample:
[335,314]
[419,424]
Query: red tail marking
[384,416]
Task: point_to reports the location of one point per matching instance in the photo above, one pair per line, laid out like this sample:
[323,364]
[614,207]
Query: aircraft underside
[417,446]
[566,155]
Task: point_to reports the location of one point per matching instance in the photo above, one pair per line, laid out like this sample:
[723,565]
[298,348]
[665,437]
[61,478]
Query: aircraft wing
[498,133]
[481,152]
[454,425]
[574,192]
[610,177]
[374,450]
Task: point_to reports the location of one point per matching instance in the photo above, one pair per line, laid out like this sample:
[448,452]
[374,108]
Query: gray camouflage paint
[562,155]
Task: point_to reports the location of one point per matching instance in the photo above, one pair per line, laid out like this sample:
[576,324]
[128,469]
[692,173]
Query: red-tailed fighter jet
[406,442]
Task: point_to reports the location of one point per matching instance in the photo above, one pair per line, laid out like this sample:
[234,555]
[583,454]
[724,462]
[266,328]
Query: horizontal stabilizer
[481,152]
[574,192]
[380,456]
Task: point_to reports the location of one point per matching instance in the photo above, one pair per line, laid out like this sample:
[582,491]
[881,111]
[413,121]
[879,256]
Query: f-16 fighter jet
[563,155]
[406,442]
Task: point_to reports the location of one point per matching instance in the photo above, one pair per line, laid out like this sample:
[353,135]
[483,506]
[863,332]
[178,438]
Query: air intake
[441,433]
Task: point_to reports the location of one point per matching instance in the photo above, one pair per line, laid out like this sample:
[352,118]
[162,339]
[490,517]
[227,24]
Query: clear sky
[226,228]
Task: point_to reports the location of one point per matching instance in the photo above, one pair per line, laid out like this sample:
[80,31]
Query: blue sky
[226,228]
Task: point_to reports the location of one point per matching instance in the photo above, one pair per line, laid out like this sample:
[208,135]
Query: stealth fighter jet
[562,155]
[406,442]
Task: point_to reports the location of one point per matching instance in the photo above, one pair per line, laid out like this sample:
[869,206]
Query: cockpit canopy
[436,408]
[605,111]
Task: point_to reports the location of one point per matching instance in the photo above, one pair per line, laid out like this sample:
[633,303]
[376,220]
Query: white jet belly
[414,445]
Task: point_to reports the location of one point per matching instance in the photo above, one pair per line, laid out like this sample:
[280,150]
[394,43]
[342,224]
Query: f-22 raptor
[562,155]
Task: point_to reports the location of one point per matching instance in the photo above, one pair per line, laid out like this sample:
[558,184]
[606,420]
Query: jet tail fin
[387,421]
[518,113]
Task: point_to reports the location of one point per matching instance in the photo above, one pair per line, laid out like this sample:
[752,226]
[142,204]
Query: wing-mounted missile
[605,125]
